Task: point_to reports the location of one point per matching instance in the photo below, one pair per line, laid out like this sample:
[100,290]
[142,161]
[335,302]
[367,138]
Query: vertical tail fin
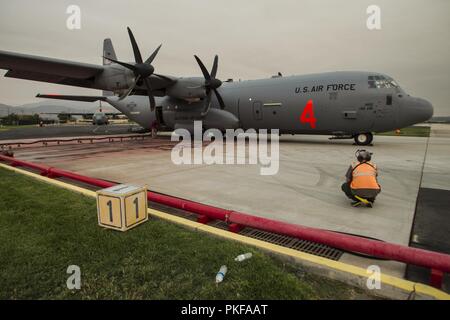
[108,51]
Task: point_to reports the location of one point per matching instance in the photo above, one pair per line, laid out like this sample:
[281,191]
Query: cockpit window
[379,82]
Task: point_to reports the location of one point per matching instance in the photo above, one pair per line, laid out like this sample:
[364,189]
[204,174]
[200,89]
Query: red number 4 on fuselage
[307,115]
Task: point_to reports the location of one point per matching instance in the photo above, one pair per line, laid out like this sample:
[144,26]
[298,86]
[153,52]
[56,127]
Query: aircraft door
[379,109]
[257,110]
[159,115]
[385,113]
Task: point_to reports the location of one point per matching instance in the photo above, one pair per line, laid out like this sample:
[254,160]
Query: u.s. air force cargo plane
[350,104]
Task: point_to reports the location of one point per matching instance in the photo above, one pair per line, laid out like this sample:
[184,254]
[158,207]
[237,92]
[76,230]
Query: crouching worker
[362,186]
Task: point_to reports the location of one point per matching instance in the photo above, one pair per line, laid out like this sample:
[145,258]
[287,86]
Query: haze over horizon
[254,39]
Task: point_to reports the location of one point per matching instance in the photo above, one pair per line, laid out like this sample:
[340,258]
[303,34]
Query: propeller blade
[137,53]
[207,103]
[150,59]
[150,95]
[219,98]
[214,68]
[211,84]
[203,68]
[124,64]
[131,88]
[126,94]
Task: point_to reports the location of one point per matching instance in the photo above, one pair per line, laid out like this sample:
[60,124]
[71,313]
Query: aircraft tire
[363,139]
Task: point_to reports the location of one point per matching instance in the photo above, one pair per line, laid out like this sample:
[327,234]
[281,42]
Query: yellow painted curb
[399,283]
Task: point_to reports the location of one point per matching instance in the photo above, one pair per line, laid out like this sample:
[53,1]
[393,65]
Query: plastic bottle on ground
[221,274]
[243,257]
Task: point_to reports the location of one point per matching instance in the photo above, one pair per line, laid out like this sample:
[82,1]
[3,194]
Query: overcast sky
[254,39]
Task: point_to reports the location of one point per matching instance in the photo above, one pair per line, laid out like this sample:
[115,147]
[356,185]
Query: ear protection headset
[363,155]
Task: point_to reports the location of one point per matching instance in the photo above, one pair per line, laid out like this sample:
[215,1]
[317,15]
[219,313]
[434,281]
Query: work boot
[356,203]
[363,200]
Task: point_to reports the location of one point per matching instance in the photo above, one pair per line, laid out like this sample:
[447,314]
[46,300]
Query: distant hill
[60,106]
[52,106]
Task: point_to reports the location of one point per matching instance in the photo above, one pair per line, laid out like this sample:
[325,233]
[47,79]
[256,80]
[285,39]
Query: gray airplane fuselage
[343,103]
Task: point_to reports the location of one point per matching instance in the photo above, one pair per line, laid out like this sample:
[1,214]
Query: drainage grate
[174,211]
[286,241]
[294,243]
[218,224]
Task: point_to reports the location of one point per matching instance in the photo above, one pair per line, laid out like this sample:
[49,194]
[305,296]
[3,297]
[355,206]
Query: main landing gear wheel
[363,139]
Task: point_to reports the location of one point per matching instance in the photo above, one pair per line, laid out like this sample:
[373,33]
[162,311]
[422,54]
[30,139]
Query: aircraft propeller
[142,70]
[211,84]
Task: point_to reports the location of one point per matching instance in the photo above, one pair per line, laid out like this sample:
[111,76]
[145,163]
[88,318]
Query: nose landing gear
[363,139]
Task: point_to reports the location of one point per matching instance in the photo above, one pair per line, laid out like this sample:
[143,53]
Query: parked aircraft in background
[98,118]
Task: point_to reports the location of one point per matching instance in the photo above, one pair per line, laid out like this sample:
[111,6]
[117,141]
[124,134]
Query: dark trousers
[351,195]
[348,191]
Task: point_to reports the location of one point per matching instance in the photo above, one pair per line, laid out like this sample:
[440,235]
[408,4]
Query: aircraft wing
[86,114]
[29,67]
[72,98]
[70,113]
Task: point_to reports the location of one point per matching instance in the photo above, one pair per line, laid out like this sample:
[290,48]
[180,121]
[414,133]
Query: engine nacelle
[191,88]
[115,78]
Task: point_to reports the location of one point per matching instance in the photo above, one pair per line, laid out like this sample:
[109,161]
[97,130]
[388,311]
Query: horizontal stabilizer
[73,98]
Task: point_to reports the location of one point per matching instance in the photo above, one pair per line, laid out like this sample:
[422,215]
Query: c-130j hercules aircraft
[349,104]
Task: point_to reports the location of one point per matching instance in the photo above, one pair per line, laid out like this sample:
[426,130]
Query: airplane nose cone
[415,110]
[427,109]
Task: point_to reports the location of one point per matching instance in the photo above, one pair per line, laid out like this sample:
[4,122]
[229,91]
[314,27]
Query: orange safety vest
[364,176]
